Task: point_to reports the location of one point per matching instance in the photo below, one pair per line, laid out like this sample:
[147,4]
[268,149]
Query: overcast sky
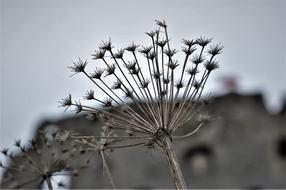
[40,39]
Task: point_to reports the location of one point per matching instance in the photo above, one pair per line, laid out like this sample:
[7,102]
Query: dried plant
[40,163]
[164,94]
[100,144]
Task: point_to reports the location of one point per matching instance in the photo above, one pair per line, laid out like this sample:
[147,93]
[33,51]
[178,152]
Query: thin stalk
[106,169]
[48,180]
[173,163]
[25,183]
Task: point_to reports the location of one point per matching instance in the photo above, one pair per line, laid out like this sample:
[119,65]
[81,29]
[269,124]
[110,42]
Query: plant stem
[173,163]
[106,169]
[48,180]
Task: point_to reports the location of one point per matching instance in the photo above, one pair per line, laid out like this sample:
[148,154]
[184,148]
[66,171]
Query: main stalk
[173,163]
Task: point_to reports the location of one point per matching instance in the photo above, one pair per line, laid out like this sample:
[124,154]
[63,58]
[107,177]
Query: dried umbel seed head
[78,66]
[197,59]
[170,52]
[188,51]
[66,102]
[99,54]
[215,49]
[119,54]
[152,33]
[101,143]
[161,43]
[97,73]
[117,85]
[189,43]
[38,163]
[106,45]
[161,23]
[132,47]
[203,41]
[173,65]
[164,92]
[145,50]
[110,70]
[89,95]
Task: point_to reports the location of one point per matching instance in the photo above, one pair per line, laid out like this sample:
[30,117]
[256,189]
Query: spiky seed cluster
[102,143]
[42,159]
[78,66]
[165,101]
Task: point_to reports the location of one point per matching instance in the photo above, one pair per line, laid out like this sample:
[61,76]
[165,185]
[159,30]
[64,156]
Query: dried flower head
[161,43]
[211,65]
[97,73]
[203,41]
[170,84]
[117,85]
[106,45]
[161,23]
[66,102]
[39,163]
[189,43]
[132,47]
[170,52]
[215,49]
[110,70]
[78,66]
[119,54]
[89,95]
[164,93]
[145,50]
[197,59]
[152,33]
[102,144]
[99,54]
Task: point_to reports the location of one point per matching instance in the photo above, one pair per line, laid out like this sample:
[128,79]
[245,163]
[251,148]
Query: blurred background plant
[41,162]
[102,144]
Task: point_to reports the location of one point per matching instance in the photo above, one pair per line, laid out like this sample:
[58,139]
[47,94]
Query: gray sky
[40,39]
